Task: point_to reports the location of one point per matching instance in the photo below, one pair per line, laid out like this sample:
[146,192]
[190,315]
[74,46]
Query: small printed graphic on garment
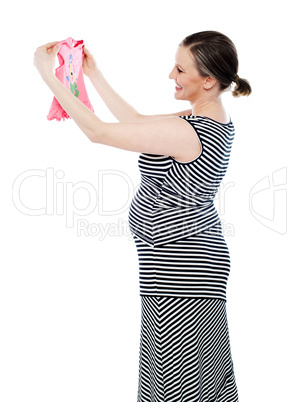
[72,78]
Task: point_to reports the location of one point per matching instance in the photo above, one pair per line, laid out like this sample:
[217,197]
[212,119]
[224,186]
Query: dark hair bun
[242,88]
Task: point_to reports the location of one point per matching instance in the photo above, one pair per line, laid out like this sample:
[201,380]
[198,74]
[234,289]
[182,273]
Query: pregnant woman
[184,261]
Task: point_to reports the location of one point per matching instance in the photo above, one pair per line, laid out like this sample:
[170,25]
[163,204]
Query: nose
[172,74]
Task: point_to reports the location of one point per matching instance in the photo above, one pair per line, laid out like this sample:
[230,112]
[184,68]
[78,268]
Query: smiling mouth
[178,88]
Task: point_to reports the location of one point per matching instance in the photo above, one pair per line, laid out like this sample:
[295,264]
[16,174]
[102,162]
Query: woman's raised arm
[115,103]
[165,136]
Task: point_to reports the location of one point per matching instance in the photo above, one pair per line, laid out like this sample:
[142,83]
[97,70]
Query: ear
[209,82]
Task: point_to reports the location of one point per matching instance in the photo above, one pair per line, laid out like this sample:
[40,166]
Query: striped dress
[184,265]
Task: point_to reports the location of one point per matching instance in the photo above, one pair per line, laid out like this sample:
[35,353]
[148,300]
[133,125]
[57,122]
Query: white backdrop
[69,297]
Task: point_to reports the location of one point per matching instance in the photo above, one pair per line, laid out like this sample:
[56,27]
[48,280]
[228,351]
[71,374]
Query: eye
[179,70]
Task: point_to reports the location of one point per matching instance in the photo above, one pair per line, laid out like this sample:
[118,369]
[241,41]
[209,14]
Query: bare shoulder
[190,145]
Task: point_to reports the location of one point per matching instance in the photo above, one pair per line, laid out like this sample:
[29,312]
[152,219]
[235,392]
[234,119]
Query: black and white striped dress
[184,265]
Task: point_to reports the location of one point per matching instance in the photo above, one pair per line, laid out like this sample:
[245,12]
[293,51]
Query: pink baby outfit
[70,73]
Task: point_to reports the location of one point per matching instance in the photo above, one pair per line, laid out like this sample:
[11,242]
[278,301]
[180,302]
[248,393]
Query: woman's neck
[203,104]
[211,108]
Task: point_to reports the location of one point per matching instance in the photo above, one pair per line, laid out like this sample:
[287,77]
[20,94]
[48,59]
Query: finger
[55,49]
[49,45]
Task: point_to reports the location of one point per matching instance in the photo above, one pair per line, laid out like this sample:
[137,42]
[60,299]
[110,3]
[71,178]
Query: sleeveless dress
[184,265]
[70,73]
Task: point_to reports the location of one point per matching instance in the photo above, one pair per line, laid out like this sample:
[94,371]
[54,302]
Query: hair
[215,55]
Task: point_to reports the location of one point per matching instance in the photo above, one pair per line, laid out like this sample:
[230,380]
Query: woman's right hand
[89,64]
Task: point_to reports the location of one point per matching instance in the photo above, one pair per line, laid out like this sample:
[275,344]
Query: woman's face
[189,83]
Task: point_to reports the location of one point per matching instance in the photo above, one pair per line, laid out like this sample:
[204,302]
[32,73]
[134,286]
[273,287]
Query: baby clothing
[70,73]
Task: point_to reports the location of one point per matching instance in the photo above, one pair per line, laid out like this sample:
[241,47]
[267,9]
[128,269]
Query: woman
[184,260]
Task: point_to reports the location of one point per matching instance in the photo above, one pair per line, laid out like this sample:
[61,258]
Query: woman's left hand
[44,59]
